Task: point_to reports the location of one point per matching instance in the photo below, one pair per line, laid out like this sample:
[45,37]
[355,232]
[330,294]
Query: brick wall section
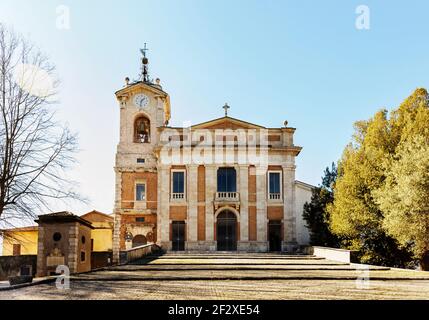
[201,223]
[178,213]
[252,223]
[128,188]
[275,213]
[201,184]
[252,184]
[201,220]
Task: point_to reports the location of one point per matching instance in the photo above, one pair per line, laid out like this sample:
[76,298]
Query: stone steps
[247,257]
[169,275]
[240,267]
[291,267]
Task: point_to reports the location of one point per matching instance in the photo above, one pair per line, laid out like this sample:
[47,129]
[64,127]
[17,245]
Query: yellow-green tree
[356,213]
[404,197]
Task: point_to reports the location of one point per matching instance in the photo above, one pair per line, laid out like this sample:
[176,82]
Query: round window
[57,236]
[83,239]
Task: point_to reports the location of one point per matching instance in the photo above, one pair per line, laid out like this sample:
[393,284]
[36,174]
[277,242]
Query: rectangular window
[141,160]
[274,185]
[178,182]
[140,192]
[16,249]
[82,256]
[226,180]
[140,219]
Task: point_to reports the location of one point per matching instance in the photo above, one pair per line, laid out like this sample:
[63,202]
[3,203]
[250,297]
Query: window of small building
[16,249]
[82,256]
[83,239]
[141,160]
[140,219]
[57,236]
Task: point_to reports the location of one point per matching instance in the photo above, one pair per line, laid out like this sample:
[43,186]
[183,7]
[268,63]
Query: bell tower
[144,107]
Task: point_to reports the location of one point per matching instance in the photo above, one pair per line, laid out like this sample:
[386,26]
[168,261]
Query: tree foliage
[315,213]
[404,196]
[362,212]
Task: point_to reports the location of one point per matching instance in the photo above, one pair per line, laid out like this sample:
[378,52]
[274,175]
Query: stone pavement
[236,276]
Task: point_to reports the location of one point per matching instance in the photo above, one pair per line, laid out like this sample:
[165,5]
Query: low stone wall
[13,265]
[138,252]
[340,255]
[101,259]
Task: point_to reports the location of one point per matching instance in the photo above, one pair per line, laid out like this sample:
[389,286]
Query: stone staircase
[244,266]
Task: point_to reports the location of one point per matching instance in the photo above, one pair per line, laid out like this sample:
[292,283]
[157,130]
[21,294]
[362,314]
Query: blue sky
[301,61]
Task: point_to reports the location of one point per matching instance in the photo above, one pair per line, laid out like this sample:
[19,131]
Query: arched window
[142,130]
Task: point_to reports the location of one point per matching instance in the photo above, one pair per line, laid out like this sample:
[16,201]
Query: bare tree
[35,150]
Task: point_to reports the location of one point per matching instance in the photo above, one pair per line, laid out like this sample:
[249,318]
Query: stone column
[261,208]
[211,185]
[192,186]
[117,219]
[116,237]
[289,216]
[163,216]
[41,256]
[72,259]
[244,205]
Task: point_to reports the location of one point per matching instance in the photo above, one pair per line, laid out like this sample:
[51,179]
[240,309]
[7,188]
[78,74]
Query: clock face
[141,100]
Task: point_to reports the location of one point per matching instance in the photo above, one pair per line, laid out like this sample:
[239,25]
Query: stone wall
[101,259]
[11,265]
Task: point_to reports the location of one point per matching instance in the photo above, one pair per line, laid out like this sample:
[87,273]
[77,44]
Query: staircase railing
[138,252]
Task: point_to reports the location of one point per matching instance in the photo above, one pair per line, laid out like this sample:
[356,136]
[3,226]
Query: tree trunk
[424,262]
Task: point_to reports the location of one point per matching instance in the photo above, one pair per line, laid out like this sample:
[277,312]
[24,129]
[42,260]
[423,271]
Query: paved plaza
[236,276]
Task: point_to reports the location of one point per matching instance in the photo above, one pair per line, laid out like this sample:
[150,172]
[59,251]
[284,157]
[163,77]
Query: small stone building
[64,239]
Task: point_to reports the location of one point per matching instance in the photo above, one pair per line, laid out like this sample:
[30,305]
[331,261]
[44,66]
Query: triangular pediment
[227,123]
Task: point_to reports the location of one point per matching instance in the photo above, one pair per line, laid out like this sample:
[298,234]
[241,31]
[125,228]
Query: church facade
[222,185]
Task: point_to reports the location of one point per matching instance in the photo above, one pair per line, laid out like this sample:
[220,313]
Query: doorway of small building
[139,240]
[178,235]
[275,235]
[226,231]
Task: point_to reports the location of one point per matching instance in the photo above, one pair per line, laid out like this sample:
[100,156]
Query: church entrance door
[274,235]
[178,234]
[226,231]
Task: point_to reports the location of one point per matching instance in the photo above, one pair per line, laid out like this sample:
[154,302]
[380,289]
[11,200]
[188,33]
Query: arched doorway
[226,231]
[139,240]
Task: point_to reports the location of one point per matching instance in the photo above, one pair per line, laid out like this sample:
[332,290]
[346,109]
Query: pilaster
[289,215]
[244,202]
[261,204]
[192,186]
[163,219]
[210,192]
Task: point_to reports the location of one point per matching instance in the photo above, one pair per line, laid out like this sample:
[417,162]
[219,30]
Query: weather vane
[226,107]
[145,62]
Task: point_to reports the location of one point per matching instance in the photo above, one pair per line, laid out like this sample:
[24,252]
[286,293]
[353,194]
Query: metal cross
[143,51]
[226,107]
